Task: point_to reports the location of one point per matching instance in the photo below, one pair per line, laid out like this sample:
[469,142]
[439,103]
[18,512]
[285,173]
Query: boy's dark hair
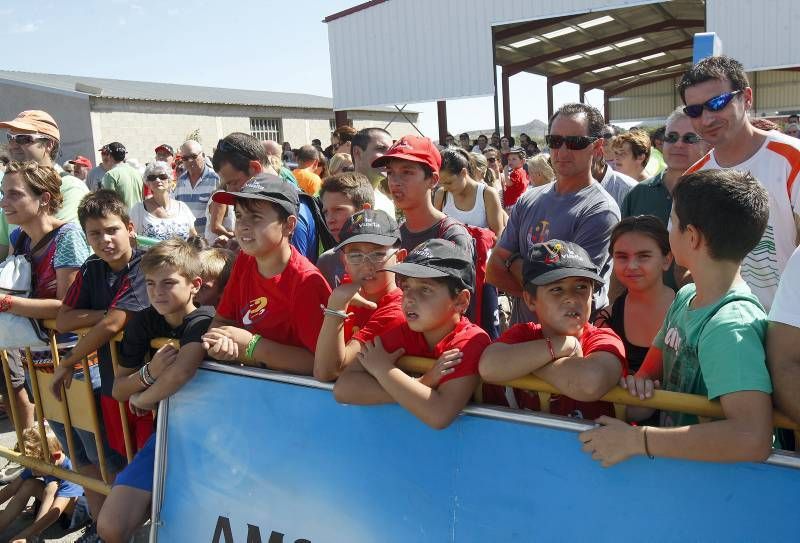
[647,225]
[483,136]
[728,207]
[721,68]
[365,135]
[455,159]
[101,204]
[252,204]
[594,118]
[238,149]
[173,253]
[355,187]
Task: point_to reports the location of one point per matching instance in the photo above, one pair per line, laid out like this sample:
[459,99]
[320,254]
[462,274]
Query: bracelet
[251,346]
[141,379]
[5,303]
[333,312]
[550,348]
[144,376]
[646,448]
[148,375]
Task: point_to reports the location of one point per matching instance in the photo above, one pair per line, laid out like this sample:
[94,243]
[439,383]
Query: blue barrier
[257,456]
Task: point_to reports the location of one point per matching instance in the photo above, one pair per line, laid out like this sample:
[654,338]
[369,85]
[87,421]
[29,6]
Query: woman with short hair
[161,216]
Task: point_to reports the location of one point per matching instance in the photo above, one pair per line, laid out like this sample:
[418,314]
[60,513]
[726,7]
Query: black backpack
[325,239]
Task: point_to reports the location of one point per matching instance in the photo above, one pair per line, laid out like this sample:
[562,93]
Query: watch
[510,260]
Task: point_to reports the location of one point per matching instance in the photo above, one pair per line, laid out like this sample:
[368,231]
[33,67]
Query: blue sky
[268,45]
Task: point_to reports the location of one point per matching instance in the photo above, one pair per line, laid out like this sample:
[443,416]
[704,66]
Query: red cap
[81,161]
[415,149]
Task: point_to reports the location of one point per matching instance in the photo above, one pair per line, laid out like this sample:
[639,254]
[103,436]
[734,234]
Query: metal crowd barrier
[79,410]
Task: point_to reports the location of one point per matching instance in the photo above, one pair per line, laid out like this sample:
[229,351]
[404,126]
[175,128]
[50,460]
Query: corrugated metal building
[631,49]
[93,111]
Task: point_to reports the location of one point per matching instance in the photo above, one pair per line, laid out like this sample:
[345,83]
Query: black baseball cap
[438,258]
[369,226]
[554,260]
[267,187]
[115,149]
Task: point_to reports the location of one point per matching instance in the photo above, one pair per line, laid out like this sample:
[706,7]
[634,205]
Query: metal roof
[613,50]
[169,92]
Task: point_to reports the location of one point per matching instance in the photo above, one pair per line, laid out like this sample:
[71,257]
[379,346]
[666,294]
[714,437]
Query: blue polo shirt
[197,197]
[66,489]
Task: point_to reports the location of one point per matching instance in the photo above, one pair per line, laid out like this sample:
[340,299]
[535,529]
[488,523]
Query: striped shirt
[197,197]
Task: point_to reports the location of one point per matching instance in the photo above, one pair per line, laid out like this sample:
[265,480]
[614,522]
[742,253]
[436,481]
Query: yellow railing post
[12,400]
[126,430]
[63,401]
[37,403]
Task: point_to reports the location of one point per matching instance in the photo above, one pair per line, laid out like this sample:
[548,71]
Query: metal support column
[506,106]
[441,109]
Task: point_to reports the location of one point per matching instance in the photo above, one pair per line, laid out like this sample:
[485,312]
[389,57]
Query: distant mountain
[535,129]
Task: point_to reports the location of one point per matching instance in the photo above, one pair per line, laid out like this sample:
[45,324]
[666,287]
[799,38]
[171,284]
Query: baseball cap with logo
[555,260]
[33,121]
[115,149]
[415,149]
[438,258]
[369,226]
[164,148]
[81,161]
[267,187]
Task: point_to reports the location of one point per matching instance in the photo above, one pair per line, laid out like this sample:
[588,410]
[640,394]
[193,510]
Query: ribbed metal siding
[760,34]
[407,51]
[775,91]
[654,101]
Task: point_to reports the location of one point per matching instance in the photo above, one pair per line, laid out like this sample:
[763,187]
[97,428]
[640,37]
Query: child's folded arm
[502,362]
[280,357]
[356,386]
[189,358]
[586,379]
[70,318]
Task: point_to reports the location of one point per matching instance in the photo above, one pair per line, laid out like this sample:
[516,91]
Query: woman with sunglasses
[160,216]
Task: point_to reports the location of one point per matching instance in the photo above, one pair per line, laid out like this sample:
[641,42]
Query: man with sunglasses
[120,176]
[196,185]
[574,208]
[34,135]
[718,97]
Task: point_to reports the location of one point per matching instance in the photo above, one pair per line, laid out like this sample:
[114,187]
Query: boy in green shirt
[712,340]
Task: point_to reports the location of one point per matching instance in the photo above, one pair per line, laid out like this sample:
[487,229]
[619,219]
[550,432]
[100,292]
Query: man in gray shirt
[575,208]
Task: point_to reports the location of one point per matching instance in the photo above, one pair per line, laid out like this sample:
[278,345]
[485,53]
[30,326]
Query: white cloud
[172,12]
[122,21]
[25,28]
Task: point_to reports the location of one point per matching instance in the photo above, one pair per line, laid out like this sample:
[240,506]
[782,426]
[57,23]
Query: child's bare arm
[229,343]
[356,386]
[585,379]
[177,374]
[49,512]
[745,435]
[502,362]
[128,383]
[332,354]
[70,318]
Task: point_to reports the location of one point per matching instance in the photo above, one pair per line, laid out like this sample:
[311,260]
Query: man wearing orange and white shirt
[718,96]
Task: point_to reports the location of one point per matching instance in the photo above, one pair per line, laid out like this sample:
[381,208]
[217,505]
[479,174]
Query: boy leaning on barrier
[712,340]
[107,291]
[563,348]
[172,272]
[55,496]
[437,278]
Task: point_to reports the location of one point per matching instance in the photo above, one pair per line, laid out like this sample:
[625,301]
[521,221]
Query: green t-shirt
[126,181]
[287,175]
[713,350]
[72,190]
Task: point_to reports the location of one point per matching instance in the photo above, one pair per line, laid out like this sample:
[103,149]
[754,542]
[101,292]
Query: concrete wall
[141,125]
[69,109]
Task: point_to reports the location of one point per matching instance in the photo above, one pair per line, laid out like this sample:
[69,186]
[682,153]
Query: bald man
[197,184]
[274,151]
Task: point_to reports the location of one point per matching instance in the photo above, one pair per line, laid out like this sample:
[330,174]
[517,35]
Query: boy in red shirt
[370,239]
[269,314]
[437,279]
[516,182]
[581,361]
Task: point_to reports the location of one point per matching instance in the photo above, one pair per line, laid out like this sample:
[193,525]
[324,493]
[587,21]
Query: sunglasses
[491,160]
[574,143]
[714,104]
[689,138]
[161,176]
[24,139]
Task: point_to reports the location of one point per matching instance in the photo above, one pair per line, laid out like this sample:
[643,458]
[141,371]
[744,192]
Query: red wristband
[5,303]
[550,348]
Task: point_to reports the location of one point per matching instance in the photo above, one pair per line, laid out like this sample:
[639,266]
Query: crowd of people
[665,260]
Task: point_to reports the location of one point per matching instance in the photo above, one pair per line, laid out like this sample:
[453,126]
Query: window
[266,129]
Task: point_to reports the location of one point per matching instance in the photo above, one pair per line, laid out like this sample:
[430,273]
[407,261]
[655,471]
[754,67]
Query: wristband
[147,374]
[334,312]
[251,346]
[550,348]
[144,376]
[5,303]
[646,448]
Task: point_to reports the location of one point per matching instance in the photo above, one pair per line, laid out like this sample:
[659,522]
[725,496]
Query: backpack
[484,305]
[325,239]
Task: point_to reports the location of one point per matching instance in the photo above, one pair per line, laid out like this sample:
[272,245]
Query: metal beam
[550,105]
[641,82]
[529,27]
[600,82]
[582,93]
[340,118]
[517,67]
[566,76]
[506,106]
[441,110]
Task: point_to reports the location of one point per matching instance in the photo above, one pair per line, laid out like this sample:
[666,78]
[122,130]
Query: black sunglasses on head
[689,138]
[712,104]
[574,143]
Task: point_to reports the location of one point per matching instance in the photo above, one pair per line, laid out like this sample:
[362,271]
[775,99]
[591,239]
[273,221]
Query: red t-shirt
[469,338]
[367,323]
[592,340]
[284,308]
[519,183]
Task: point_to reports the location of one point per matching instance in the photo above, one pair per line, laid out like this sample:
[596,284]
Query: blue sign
[706,44]
[253,459]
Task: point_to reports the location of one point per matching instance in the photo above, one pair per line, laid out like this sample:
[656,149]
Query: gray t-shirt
[585,217]
[452,231]
[617,184]
[331,266]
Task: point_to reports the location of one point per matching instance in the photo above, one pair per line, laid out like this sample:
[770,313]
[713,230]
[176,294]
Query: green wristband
[251,347]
